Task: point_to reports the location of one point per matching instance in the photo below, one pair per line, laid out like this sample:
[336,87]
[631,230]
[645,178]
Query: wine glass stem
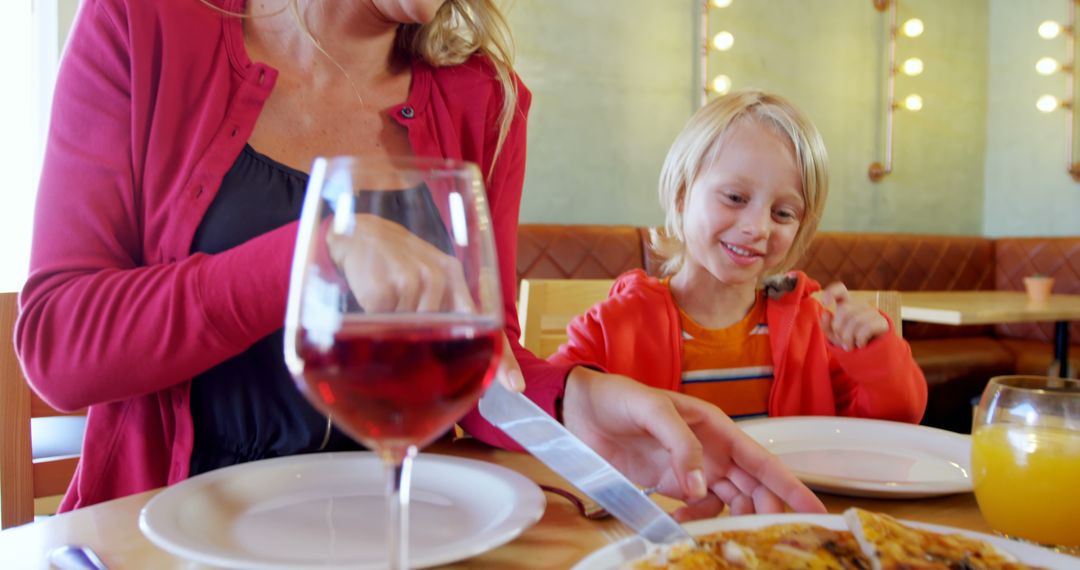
[398,480]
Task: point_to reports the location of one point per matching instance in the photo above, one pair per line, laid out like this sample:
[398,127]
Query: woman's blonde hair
[700,142]
[460,29]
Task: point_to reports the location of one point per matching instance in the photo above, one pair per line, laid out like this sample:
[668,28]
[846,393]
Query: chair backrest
[23,478]
[546,306]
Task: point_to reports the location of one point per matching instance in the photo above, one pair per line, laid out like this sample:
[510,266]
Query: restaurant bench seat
[957,361]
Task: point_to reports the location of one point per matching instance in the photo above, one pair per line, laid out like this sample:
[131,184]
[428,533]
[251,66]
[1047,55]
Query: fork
[589,510]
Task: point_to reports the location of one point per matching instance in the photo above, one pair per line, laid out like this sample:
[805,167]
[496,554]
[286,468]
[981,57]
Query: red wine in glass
[401,382]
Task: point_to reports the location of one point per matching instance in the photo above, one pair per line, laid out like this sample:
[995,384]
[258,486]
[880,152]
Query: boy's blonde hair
[700,141]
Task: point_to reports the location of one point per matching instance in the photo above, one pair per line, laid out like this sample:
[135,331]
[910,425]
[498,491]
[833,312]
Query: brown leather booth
[957,361]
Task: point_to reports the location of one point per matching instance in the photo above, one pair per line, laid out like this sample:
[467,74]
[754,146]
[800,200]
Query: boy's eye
[787,215]
[734,198]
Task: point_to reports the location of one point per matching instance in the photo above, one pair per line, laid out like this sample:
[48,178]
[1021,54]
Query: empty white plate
[868,458]
[327,511]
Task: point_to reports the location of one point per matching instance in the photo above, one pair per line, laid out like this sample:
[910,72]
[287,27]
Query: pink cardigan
[154,101]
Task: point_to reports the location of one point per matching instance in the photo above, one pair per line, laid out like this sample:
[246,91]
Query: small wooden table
[559,540]
[994,307]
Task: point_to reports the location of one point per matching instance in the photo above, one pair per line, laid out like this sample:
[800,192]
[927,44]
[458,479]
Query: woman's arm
[102,318]
[543,381]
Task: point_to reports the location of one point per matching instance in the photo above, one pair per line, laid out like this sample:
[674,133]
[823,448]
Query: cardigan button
[408,112]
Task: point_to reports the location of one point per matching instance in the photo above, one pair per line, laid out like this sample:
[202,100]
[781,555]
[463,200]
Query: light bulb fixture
[1047,104]
[913,28]
[913,102]
[1048,66]
[911,67]
[721,84]
[1049,30]
[723,41]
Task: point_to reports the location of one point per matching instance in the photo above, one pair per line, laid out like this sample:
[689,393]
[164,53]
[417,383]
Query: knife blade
[565,454]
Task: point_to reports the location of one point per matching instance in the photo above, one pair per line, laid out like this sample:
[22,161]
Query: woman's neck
[712,304]
[353,34]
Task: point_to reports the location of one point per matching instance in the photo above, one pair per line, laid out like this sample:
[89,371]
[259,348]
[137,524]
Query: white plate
[868,458]
[616,556]
[327,511]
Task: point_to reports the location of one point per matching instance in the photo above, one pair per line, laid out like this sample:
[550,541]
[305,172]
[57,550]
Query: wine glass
[1025,458]
[394,321]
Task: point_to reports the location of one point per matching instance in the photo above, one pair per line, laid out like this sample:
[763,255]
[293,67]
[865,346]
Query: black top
[249,407]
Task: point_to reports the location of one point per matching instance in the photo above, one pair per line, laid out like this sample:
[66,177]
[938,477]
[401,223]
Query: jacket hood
[790,288]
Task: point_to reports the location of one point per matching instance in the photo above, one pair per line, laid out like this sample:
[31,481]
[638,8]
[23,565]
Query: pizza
[871,541]
[891,545]
[795,545]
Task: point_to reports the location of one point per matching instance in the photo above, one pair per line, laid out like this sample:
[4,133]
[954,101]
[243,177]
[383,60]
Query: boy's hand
[852,323]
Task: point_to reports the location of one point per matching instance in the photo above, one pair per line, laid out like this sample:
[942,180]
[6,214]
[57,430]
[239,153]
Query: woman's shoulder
[163,8]
[475,77]
[164,18]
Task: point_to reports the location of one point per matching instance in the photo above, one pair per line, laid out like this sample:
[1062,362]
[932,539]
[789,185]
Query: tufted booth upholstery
[957,361]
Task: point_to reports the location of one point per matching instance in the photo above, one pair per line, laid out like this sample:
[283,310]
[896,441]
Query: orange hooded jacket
[636,332]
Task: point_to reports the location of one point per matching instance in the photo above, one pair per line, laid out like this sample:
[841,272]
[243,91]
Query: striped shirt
[731,367]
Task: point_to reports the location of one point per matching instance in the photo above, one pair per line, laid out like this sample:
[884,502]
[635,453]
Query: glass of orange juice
[1025,459]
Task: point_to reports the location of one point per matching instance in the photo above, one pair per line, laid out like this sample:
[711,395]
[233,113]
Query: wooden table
[994,307]
[559,540]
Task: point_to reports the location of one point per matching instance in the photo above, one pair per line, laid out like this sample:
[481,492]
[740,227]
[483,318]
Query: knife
[565,454]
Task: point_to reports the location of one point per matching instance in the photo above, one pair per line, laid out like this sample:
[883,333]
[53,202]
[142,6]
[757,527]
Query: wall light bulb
[913,102]
[912,66]
[1047,66]
[1047,103]
[723,41]
[913,28]
[1049,29]
[721,3]
[721,84]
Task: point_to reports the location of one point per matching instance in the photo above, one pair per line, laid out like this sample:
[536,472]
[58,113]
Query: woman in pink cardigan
[165,224]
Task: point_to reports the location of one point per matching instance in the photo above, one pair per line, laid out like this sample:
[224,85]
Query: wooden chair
[886,301]
[546,306]
[24,477]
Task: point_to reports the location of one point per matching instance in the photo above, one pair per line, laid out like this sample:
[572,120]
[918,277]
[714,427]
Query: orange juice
[1027,481]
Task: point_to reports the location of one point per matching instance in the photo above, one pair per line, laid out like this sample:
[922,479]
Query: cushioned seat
[1034,357]
[946,359]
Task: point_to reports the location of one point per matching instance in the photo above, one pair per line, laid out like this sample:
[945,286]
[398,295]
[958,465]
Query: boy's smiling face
[744,208]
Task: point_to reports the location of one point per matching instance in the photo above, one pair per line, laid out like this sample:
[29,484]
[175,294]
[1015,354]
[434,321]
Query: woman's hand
[853,323]
[509,373]
[687,448]
[389,269]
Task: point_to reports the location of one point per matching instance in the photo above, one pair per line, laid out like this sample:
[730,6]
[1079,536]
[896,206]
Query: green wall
[1028,191]
[611,80]
[611,89]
